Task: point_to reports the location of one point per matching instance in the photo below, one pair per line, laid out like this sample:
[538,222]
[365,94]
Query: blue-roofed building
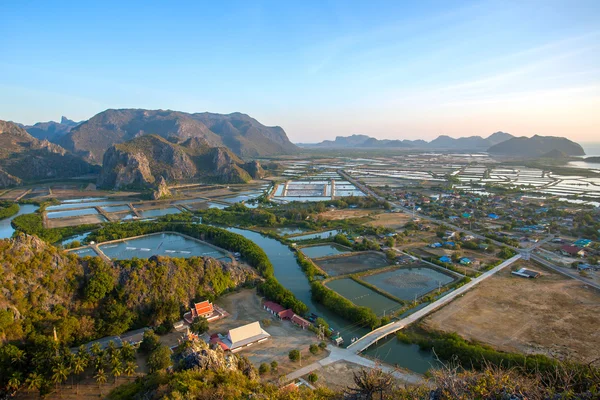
[445,259]
[451,244]
[465,261]
[493,216]
[435,245]
[582,243]
[466,215]
[453,218]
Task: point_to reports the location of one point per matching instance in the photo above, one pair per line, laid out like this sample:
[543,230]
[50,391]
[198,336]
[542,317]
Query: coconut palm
[34,381]
[79,365]
[127,352]
[100,379]
[117,370]
[18,357]
[130,368]
[15,381]
[59,374]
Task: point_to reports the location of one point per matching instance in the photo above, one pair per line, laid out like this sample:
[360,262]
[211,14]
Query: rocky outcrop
[162,190]
[140,163]
[254,169]
[124,169]
[7,179]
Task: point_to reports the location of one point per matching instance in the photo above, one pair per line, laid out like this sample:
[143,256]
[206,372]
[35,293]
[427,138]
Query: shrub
[274,365]
[263,369]
[323,345]
[313,348]
[294,355]
[312,377]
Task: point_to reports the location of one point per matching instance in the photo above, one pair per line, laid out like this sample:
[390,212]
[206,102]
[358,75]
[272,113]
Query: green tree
[314,349]
[263,369]
[294,355]
[160,358]
[34,381]
[313,378]
[150,341]
[100,379]
[117,370]
[59,374]
[274,365]
[15,381]
[130,368]
[79,364]
[199,326]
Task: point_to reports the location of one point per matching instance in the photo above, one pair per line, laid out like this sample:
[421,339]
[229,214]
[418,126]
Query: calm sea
[591,149]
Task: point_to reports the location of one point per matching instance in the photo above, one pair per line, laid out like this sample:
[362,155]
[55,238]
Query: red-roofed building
[286,314]
[301,322]
[273,308]
[203,309]
[572,251]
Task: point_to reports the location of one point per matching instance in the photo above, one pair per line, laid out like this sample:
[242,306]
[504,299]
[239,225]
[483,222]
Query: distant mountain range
[499,143]
[441,142]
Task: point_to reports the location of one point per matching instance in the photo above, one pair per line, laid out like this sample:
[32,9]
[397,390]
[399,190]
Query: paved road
[564,271]
[380,333]
[340,354]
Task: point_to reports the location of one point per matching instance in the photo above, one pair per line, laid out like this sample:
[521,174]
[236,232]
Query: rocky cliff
[140,162]
[25,158]
[244,135]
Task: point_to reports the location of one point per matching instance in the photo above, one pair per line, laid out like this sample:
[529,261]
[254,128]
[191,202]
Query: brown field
[551,315]
[390,220]
[334,215]
[246,307]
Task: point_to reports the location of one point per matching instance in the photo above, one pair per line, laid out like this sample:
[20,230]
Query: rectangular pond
[363,296]
[317,235]
[289,231]
[80,204]
[161,244]
[159,212]
[110,209]
[71,213]
[406,283]
[323,250]
[351,264]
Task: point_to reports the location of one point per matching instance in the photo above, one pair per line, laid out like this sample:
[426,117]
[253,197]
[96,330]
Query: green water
[363,296]
[408,283]
[324,250]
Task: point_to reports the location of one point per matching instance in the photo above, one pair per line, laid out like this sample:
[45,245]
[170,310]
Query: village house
[573,251]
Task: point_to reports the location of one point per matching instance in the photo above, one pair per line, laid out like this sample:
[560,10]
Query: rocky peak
[162,189]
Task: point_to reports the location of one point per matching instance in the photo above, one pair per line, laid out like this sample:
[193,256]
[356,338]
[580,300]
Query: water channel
[6,229]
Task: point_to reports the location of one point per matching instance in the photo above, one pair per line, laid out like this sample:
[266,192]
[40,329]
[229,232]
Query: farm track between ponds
[374,336]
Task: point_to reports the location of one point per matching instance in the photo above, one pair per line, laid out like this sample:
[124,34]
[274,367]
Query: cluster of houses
[286,314]
[576,249]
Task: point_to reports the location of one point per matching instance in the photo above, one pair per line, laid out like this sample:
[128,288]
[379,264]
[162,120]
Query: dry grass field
[551,315]
[390,220]
[334,215]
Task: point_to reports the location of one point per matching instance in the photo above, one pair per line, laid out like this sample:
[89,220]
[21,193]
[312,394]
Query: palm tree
[18,357]
[100,379]
[117,370]
[34,381]
[15,381]
[79,365]
[59,374]
[130,368]
[127,352]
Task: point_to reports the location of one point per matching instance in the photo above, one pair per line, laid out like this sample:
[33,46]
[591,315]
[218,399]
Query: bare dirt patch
[342,265]
[390,220]
[245,307]
[551,315]
[334,215]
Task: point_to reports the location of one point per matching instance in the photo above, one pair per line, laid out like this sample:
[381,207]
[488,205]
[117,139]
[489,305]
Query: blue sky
[319,69]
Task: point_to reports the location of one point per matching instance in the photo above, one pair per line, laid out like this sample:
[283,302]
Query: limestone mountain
[244,135]
[25,158]
[51,130]
[145,160]
[536,146]
[442,142]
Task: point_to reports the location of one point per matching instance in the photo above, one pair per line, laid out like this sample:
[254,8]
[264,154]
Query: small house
[465,261]
[572,251]
[445,259]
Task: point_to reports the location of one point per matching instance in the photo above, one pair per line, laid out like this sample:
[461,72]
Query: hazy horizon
[318,70]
